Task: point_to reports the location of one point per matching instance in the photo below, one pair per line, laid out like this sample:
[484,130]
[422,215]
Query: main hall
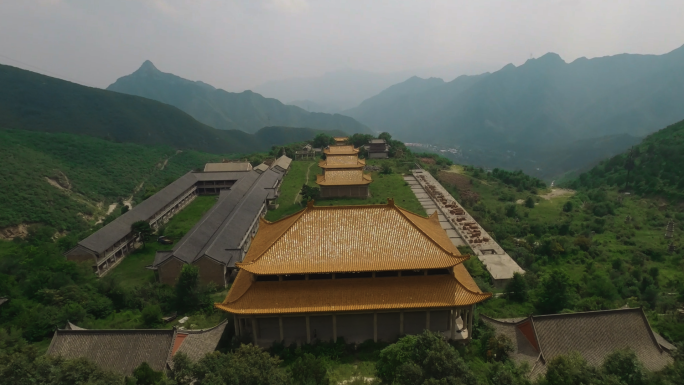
[366,272]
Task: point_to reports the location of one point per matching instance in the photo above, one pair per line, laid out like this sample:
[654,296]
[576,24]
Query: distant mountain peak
[147,66]
[547,60]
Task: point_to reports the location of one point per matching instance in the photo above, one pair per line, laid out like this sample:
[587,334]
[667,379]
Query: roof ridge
[650,330]
[199,331]
[418,227]
[536,337]
[504,322]
[133,331]
[588,312]
[487,295]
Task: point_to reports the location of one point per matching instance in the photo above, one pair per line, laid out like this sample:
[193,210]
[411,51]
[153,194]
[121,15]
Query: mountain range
[513,117]
[340,90]
[246,111]
[31,101]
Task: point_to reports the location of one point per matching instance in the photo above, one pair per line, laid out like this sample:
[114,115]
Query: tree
[145,375]
[572,369]
[187,288]
[423,359]
[625,365]
[309,369]
[629,165]
[568,206]
[152,315]
[143,230]
[499,348]
[310,193]
[249,365]
[555,292]
[529,202]
[516,288]
[386,136]
[386,169]
[322,140]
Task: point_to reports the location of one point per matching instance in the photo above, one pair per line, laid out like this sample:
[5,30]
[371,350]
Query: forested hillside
[654,167]
[515,116]
[246,111]
[64,180]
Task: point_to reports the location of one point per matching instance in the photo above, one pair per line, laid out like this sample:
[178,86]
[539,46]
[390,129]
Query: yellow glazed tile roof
[350,294]
[331,239]
[343,177]
[342,161]
[344,149]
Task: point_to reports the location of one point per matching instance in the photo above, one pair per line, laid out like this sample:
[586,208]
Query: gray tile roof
[594,335]
[122,351]
[119,228]
[200,342]
[227,166]
[283,163]
[221,231]
[261,168]
[523,351]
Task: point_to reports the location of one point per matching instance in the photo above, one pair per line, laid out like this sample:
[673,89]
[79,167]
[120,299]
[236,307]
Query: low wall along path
[461,228]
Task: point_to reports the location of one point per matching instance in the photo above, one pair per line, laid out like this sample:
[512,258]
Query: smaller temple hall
[343,174]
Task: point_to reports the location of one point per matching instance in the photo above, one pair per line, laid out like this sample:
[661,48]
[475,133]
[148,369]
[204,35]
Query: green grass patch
[288,201]
[382,187]
[132,272]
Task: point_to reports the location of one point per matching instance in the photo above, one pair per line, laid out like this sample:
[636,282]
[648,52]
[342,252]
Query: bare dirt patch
[461,183]
[18,231]
[556,193]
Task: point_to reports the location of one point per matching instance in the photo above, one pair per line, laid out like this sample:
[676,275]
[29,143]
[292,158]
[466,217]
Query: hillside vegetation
[64,181]
[590,249]
[246,111]
[654,167]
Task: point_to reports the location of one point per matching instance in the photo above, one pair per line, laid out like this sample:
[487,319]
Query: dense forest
[652,168]
[64,180]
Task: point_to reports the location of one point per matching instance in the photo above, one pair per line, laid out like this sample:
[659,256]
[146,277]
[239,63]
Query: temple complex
[367,272]
[343,174]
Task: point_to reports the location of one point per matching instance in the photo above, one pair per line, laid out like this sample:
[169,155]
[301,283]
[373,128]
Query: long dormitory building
[110,244]
[223,235]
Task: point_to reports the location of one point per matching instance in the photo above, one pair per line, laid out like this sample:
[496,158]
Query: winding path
[305,182]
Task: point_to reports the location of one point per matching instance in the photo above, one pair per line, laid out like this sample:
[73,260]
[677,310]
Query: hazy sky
[239,44]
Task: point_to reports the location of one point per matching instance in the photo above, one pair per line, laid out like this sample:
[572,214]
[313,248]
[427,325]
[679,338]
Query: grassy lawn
[288,201]
[132,272]
[382,187]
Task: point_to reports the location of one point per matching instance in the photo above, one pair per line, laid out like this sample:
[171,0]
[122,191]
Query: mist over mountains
[513,117]
[246,111]
[336,91]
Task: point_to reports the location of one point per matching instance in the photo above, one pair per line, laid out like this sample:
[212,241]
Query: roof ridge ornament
[310,204]
[390,202]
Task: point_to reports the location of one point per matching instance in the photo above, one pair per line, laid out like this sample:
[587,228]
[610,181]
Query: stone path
[430,207]
[498,263]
